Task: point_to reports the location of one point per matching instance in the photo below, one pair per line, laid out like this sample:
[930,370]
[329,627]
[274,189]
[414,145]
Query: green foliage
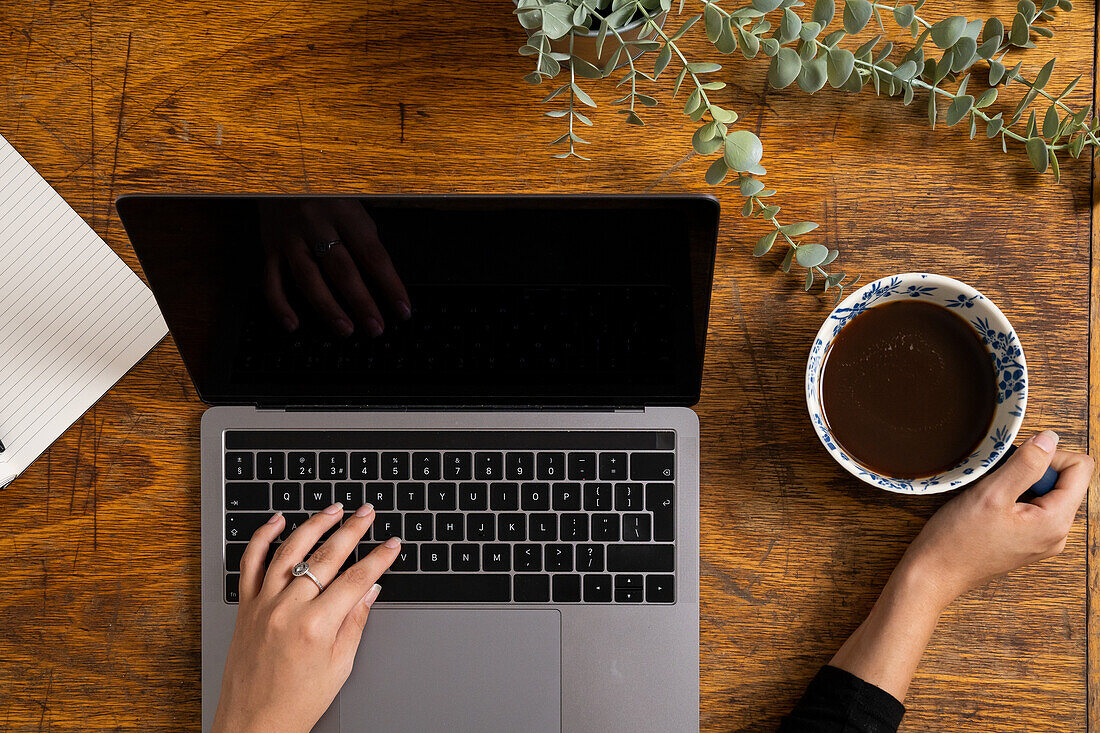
[811,52]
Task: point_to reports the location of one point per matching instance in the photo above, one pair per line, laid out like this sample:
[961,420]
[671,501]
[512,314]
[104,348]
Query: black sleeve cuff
[839,702]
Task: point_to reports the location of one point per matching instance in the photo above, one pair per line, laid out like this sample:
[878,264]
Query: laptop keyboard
[484,516]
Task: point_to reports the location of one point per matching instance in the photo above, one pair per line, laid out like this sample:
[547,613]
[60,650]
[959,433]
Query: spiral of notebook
[74,318]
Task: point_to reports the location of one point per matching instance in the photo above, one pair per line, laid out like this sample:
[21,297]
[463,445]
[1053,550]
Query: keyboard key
[410,497]
[659,589]
[444,587]
[559,558]
[519,466]
[386,526]
[271,466]
[473,497]
[489,466]
[652,466]
[449,527]
[582,466]
[479,528]
[442,497]
[239,527]
[597,497]
[605,527]
[434,558]
[405,561]
[504,497]
[534,497]
[425,466]
[658,500]
[612,466]
[293,522]
[628,497]
[629,581]
[286,496]
[365,548]
[496,558]
[597,589]
[464,558]
[543,527]
[628,595]
[350,494]
[317,495]
[590,558]
[238,467]
[381,495]
[240,496]
[233,588]
[364,466]
[302,466]
[334,466]
[567,588]
[532,588]
[574,527]
[527,558]
[418,527]
[457,467]
[551,466]
[636,528]
[233,553]
[395,466]
[567,497]
[511,527]
[640,558]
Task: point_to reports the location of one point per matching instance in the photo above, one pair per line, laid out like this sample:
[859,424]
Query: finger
[1026,466]
[252,561]
[350,632]
[294,549]
[326,562]
[361,236]
[342,271]
[305,272]
[1074,474]
[274,293]
[353,583]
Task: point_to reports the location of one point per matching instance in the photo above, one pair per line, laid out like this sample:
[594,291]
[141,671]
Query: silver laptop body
[457,667]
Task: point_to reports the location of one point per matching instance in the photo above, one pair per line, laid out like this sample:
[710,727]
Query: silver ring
[301,569]
[320,249]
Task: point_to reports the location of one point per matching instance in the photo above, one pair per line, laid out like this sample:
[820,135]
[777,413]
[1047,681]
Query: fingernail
[374,327]
[364,510]
[290,324]
[372,594]
[344,327]
[275,518]
[1047,440]
[404,309]
[334,509]
[393,543]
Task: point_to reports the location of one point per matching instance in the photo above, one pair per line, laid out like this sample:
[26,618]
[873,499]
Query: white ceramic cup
[997,335]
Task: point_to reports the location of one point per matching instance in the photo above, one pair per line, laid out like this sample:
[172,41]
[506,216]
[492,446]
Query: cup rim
[891,284]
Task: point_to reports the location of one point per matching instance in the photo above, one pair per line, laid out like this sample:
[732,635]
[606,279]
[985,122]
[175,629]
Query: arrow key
[659,589]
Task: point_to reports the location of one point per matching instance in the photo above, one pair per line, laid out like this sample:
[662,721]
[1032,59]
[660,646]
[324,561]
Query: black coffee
[908,389]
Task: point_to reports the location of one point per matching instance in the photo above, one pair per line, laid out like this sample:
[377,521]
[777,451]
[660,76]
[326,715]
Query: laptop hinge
[445,408]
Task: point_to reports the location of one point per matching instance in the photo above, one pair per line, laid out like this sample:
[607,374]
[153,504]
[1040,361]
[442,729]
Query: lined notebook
[74,317]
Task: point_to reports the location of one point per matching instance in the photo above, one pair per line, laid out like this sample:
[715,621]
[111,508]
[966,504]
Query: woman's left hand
[293,645]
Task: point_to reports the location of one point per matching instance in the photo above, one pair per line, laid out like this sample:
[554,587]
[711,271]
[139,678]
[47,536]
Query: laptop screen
[433,300]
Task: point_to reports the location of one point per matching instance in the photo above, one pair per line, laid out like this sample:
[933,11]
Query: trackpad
[485,671]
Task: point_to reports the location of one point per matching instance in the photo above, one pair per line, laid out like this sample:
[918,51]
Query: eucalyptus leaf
[839,66]
[856,15]
[663,57]
[903,15]
[1051,122]
[986,98]
[743,150]
[948,31]
[1043,76]
[798,229]
[557,20]
[958,109]
[784,68]
[824,12]
[811,255]
[994,126]
[716,172]
[1020,33]
[1038,154]
[712,21]
[766,6]
[704,140]
[764,244]
[813,75]
[789,27]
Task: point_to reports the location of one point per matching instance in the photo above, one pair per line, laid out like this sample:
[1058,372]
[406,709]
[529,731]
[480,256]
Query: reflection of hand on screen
[354,276]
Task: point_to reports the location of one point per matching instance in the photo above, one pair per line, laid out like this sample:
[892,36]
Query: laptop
[526,430]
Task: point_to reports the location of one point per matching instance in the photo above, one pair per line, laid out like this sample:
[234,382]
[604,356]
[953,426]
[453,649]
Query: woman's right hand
[984,532]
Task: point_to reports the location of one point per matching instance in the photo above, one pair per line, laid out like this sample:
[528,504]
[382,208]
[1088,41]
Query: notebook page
[74,317]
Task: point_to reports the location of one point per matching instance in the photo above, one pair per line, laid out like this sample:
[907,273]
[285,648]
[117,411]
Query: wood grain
[99,607]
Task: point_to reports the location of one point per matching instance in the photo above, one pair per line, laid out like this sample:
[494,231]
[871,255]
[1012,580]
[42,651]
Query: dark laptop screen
[556,301]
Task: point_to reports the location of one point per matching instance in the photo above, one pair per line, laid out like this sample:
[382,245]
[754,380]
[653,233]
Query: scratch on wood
[118,133]
[401,109]
[95,480]
[45,701]
[676,166]
[301,148]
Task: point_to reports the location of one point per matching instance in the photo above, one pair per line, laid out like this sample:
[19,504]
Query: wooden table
[99,603]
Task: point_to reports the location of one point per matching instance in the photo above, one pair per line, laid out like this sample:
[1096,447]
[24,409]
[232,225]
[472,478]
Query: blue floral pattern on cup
[998,336]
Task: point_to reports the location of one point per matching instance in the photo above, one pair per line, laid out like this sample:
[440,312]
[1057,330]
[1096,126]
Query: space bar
[429,588]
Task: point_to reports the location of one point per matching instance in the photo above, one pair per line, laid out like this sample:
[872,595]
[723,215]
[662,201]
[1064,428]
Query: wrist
[920,584]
